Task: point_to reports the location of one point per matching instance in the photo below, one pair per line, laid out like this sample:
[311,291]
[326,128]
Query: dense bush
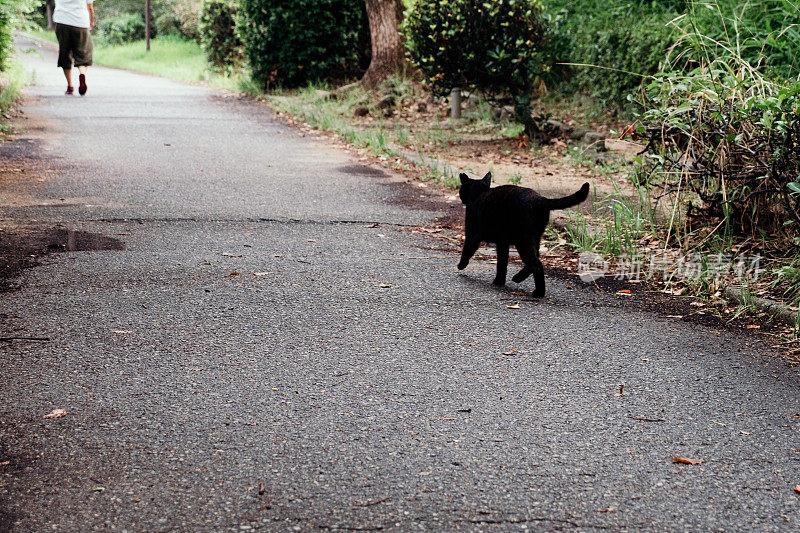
[123,28]
[732,139]
[622,41]
[293,43]
[765,33]
[218,35]
[628,40]
[723,123]
[497,47]
[11,14]
[178,17]
[6,39]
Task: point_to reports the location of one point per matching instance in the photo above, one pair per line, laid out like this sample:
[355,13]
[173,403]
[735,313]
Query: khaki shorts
[73,44]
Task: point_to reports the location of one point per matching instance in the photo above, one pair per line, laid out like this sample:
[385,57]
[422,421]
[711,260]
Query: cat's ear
[487,178]
[464,178]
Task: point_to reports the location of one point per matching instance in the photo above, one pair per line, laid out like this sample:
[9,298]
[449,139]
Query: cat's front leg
[471,245]
[502,264]
[538,278]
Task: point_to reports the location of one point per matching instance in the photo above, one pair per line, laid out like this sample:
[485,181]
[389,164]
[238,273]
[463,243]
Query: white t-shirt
[72,13]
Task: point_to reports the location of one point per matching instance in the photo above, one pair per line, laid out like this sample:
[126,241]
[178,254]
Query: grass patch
[11,83]
[315,108]
[45,35]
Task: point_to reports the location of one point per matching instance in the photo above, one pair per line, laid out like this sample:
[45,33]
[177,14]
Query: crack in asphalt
[295,221]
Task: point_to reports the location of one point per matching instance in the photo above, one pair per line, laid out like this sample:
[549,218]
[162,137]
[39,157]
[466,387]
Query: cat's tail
[567,201]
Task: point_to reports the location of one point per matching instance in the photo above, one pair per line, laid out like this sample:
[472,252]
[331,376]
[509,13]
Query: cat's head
[470,188]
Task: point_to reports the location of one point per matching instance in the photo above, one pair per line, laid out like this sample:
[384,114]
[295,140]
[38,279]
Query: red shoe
[82,85]
[70,89]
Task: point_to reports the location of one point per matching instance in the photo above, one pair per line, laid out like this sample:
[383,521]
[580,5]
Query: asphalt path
[274,348]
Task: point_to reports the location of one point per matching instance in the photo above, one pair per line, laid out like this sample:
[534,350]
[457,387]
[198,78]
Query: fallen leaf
[624,291]
[797,489]
[5,463]
[226,254]
[56,413]
[515,306]
[753,326]
[384,286]
[261,488]
[311,240]
[510,352]
[686,460]
[260,273]
[136,500]
[233,274]
[98,489]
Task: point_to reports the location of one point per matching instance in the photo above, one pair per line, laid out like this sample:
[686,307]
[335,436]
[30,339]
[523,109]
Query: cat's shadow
[517,292]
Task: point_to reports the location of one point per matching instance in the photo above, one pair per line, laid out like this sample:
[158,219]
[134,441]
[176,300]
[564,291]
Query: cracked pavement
[245,334]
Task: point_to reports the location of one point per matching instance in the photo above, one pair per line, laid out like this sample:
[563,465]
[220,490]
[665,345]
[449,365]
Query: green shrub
[732,139]
[294,43]
[611,45]
[723,123]
[6,28]
[177,17]
[765,33]
[12,14]
[499,47]
[218,36]
[123,28]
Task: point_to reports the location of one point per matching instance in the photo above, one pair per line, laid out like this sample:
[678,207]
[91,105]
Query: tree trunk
[49,10]
[387,47]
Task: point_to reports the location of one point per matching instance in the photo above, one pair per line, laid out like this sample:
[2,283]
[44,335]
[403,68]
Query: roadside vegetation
[12,75]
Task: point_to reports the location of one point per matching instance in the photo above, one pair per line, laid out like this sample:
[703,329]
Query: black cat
[509,215]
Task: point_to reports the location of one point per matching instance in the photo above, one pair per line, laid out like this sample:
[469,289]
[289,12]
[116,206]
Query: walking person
[74,19]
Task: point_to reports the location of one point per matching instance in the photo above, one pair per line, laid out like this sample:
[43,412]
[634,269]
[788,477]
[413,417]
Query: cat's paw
[499,282]
[538,293]
[462,265]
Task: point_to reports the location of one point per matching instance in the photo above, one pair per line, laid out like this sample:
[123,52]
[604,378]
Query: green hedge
[624,41]
[293,43]
[124,28]
[765,33]
[495,46]
[11,12]
[218,36]
[499,48]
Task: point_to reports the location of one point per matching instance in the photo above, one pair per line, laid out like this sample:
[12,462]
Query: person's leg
[68,75]
[82,80]
[83,57]
[64,53]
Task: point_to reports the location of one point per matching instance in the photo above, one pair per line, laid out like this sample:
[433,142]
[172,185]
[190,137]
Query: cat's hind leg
[525,253]
[502,264]
[522,275]
[530,256]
